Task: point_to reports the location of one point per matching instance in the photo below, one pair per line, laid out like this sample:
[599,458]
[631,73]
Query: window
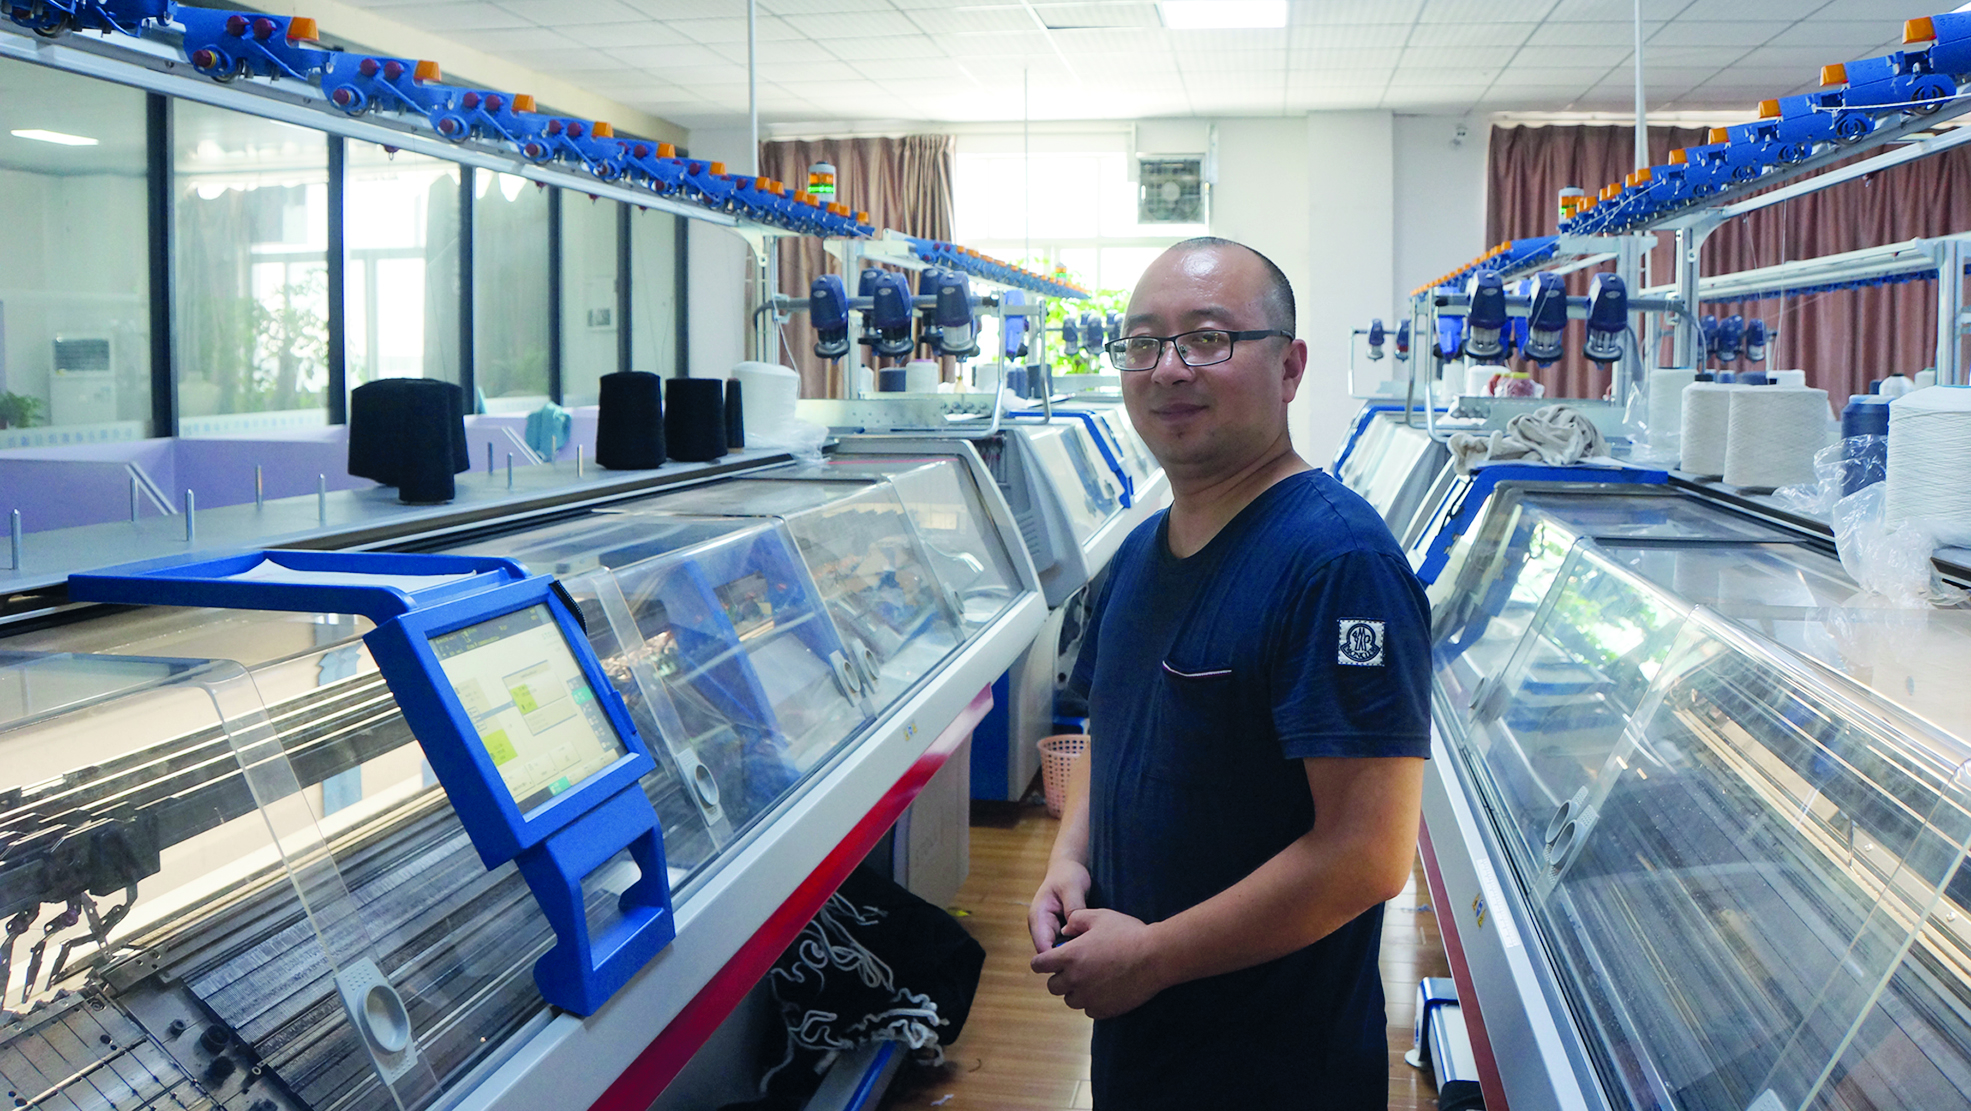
[588,295]
[251,245]
[1087,221]
[510,324]
[654,240]
[401,231]
[75,286]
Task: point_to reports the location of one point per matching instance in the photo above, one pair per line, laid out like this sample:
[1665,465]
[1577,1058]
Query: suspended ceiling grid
[933,60]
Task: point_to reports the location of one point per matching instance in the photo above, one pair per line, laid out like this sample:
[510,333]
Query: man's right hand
[1064,891]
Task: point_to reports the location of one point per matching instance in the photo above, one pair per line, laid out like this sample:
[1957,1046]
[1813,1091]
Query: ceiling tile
[1544,56]
[512,40]
[1775,13]
[1241,39]
[1478,11]
[714,31]
[1118,40]
[1580,77]
[1890,12]
[1716,57]
[1604,11]
[1344,59]
[1509,98]
[852,25]
[1452,59]
[1340,78]
[1839,34]
[822,7]
[1684,32]
[1470,34]
[667,56]
[939,21]
[639,33]
[1432,75]
[800,50]
[1589,34]
[1329,12]
[1358,36]
[689,9]
[561,13]
[959,43]
[1127,14]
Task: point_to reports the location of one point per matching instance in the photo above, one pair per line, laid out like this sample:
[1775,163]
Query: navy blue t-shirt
[1298,631]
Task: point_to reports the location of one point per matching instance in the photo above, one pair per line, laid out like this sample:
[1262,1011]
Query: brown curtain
[1842,339]
[903,183]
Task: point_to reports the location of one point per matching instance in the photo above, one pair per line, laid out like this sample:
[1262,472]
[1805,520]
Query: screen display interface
[530,702]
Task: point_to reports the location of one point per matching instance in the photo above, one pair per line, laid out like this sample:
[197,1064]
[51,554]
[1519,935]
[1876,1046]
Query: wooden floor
[1024,1050]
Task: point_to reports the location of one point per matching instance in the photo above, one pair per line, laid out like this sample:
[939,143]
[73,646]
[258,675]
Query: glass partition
[588,295]
[251,303]
[655,239]
[75,290]
[401,228]
[509,292]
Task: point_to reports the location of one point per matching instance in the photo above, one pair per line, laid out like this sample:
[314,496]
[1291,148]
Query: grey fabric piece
[1554,434]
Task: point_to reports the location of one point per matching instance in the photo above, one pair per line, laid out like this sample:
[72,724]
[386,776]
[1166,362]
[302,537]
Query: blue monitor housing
[493,671]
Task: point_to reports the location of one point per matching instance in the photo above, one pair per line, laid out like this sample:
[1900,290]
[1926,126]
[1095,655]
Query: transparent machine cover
[1737,812]
[300,852]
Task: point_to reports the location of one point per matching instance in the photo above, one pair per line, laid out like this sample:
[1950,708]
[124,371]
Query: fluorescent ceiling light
[41,136]
[1209,15]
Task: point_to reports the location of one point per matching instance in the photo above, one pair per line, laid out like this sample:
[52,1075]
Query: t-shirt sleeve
[1351,662]
[1082,678]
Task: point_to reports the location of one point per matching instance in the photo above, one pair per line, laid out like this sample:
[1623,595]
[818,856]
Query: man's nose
[1171,367]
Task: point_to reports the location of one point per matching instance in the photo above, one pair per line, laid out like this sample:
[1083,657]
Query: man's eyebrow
[1206,312]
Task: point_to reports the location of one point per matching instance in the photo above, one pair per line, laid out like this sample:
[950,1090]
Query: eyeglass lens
[1193,348]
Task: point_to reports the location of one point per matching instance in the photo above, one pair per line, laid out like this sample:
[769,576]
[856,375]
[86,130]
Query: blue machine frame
[1461,504]
[554,845]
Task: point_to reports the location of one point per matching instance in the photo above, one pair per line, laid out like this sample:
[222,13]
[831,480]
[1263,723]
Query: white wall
[1350,170]
[1440,198]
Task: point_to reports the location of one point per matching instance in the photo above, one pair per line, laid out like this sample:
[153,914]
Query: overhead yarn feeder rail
[1860,105]
[1911,260]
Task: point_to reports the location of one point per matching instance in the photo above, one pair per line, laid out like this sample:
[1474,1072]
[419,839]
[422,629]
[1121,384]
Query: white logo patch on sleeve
[1361,643]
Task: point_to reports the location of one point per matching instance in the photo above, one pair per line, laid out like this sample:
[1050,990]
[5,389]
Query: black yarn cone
[694,419]
[629,428]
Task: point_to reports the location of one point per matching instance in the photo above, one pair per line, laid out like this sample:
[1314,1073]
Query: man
[1257,670]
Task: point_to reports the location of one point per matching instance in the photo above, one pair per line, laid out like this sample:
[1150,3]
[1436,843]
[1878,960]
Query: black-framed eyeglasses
[1204,347]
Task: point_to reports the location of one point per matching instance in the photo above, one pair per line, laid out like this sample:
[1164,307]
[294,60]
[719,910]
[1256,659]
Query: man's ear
[1293,369]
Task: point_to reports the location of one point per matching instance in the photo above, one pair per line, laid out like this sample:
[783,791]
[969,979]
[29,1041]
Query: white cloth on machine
[1555,434]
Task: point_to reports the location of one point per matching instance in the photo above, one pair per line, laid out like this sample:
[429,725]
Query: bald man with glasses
[1258,679]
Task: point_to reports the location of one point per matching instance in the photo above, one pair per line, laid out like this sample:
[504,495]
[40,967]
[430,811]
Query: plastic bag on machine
[800,438]
[1892,562]
[1841,468]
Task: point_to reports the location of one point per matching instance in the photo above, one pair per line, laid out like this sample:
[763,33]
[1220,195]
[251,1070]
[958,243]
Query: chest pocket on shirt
[1195,712]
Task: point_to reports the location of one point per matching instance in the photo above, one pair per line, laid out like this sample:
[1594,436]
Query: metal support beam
[1687,347]
[1950,304]
[163,272]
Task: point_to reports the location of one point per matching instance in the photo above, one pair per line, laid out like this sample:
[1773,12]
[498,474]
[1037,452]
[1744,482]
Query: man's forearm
[1314,886]
[1071,843]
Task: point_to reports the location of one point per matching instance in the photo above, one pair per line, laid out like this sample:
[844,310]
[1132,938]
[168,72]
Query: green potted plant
[19,410]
